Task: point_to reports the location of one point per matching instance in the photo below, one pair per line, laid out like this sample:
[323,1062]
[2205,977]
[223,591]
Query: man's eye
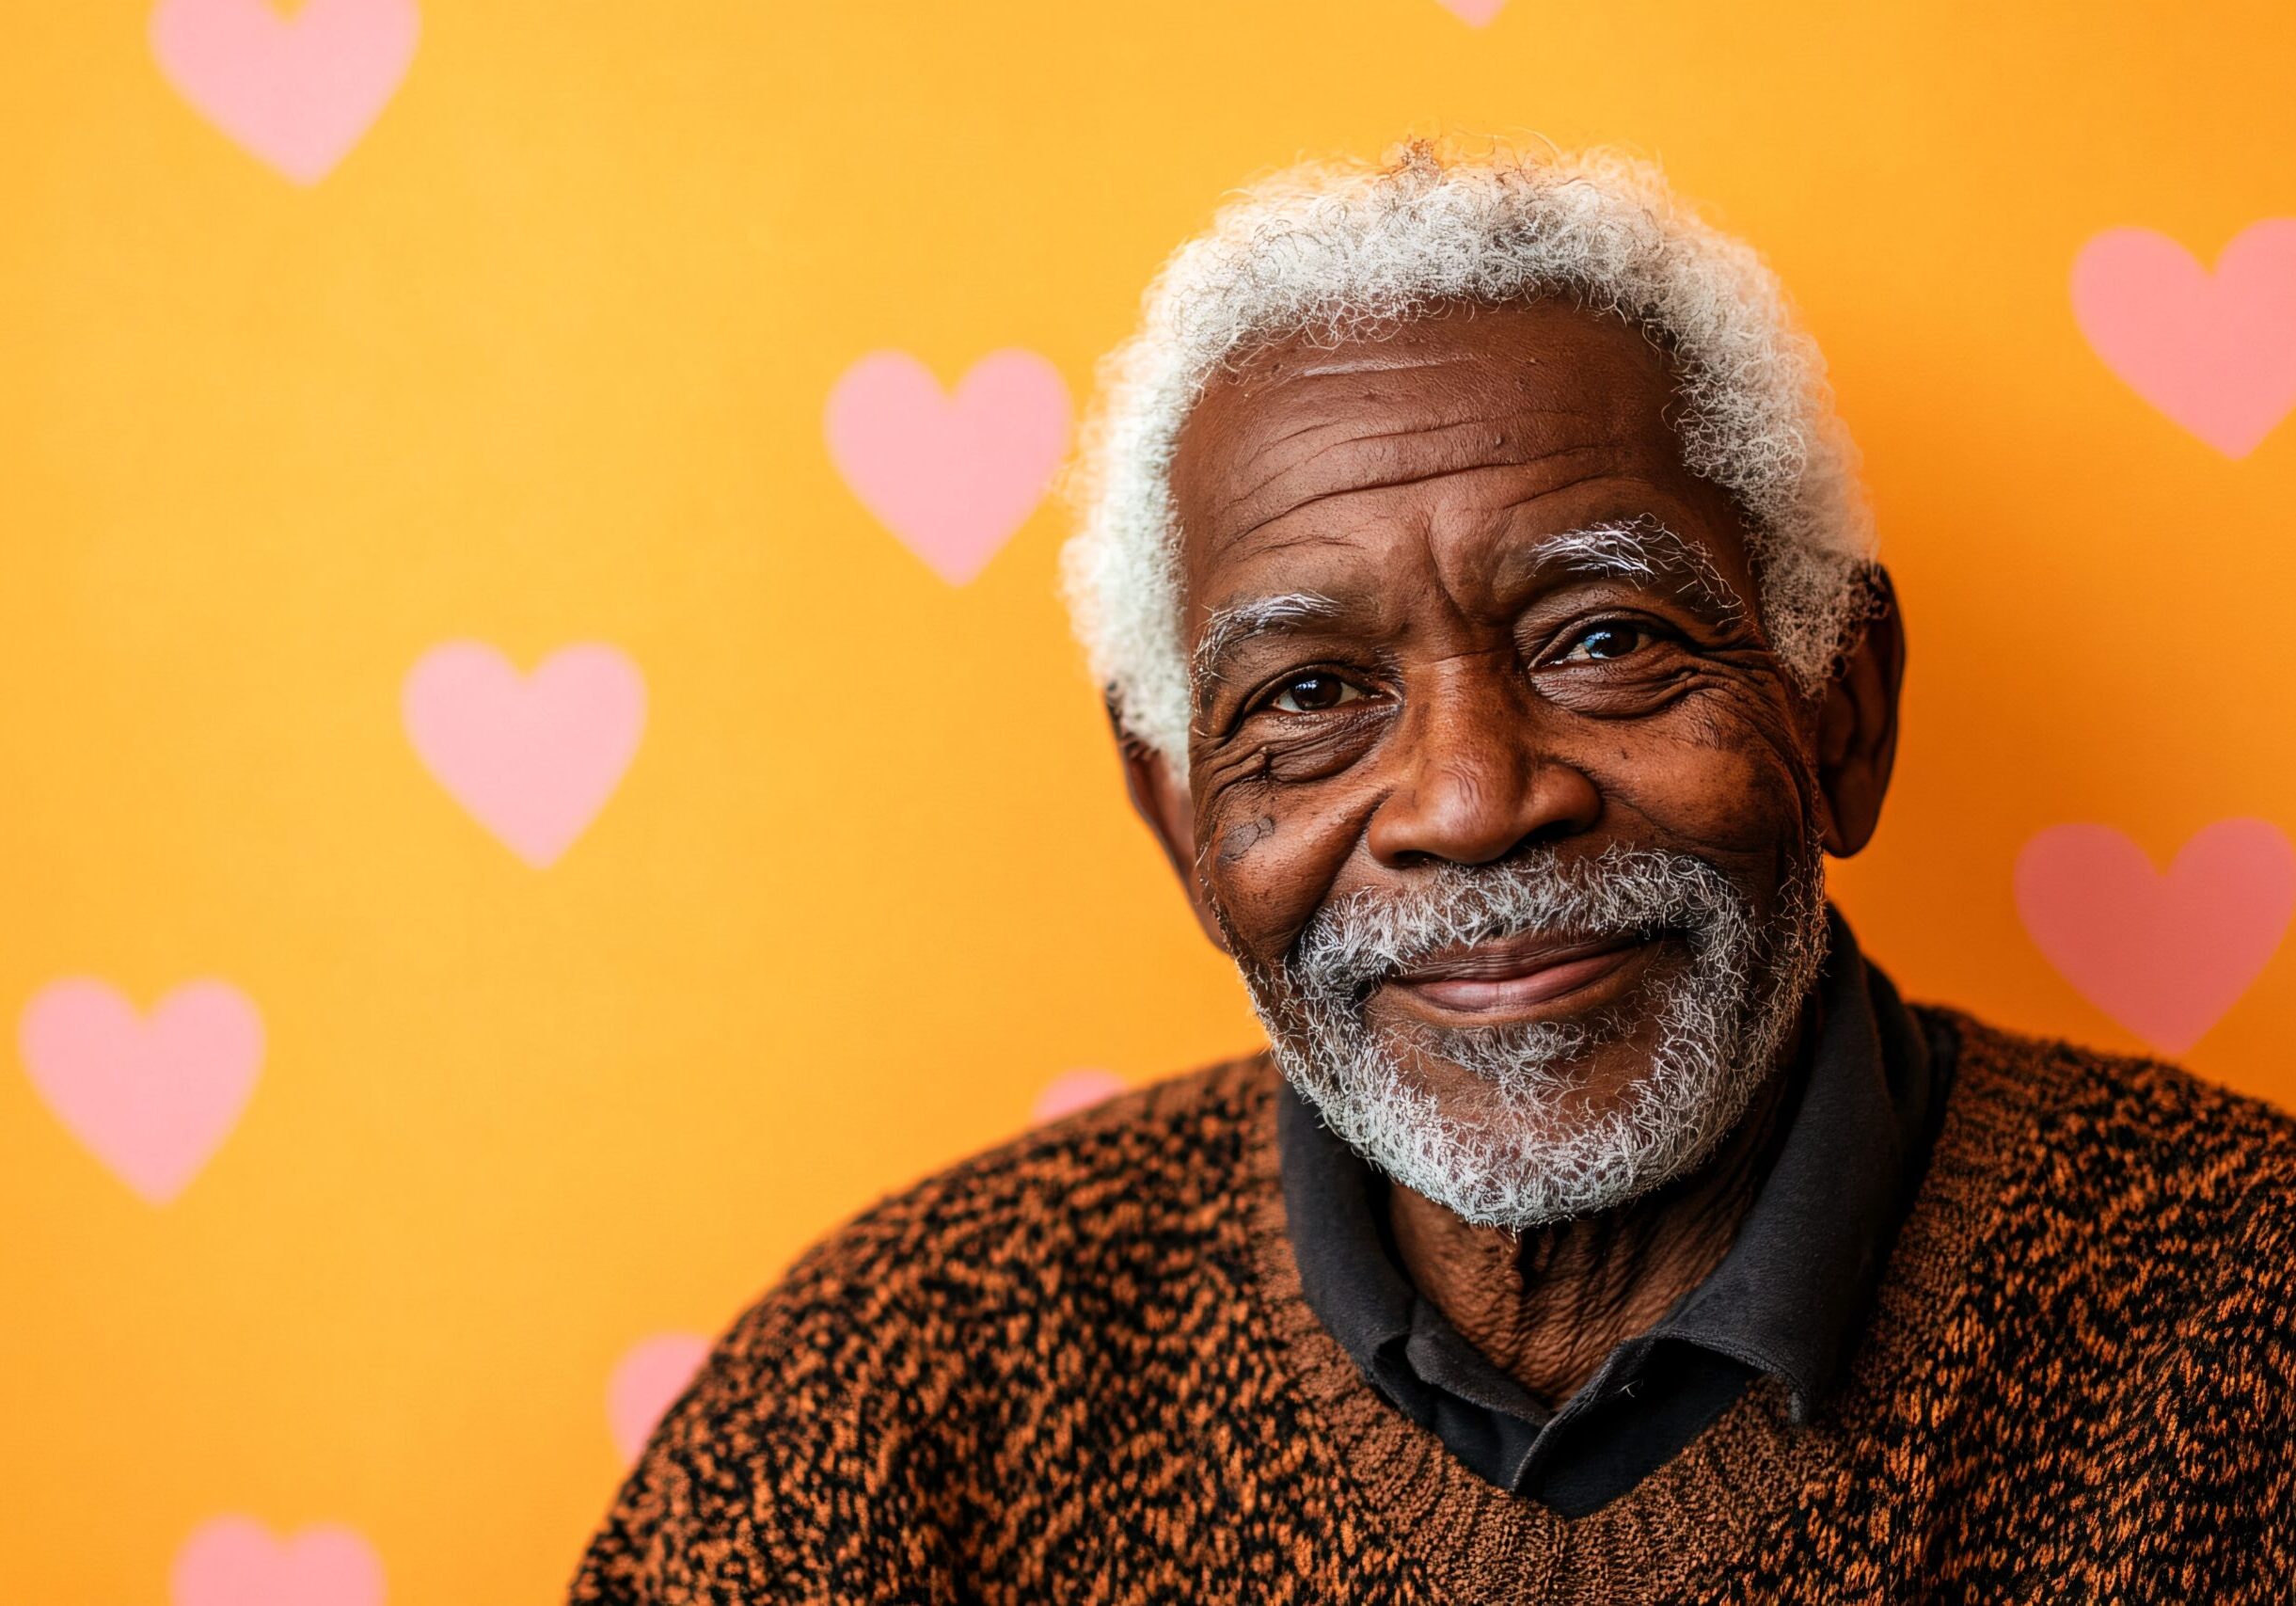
[1313,693]
[1613,638]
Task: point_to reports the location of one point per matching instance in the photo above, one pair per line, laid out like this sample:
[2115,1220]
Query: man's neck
[1549,1305]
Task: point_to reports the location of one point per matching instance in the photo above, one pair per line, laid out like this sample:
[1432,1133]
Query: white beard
[1525,1156]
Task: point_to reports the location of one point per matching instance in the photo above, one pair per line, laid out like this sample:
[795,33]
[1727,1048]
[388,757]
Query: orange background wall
[543,359]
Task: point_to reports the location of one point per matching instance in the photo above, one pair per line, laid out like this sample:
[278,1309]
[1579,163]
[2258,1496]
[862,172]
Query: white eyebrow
[1228,626]
[1642,549]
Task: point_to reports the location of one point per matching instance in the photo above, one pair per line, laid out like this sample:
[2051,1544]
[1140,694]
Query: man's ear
[1857,735]
[1160,798]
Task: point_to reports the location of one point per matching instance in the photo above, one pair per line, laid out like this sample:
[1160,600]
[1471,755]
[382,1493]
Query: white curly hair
[1347,250]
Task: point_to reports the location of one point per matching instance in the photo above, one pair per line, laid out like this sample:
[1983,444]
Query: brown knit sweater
[1078,1368]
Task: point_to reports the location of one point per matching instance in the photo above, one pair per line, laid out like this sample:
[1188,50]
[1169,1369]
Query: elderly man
[1483,598]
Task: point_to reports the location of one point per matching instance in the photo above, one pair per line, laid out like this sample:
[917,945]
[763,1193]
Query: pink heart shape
[953,477]
[1072,1090]
[233,1560]
[532,759]
[646,1381]
[296,90]
[2164,955]
[1475,13]
[2216,353]
[153,1100]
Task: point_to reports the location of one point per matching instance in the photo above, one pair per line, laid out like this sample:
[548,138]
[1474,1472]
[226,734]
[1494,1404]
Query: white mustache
[1620,892]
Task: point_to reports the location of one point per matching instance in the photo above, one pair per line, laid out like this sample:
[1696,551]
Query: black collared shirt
[1788,1300]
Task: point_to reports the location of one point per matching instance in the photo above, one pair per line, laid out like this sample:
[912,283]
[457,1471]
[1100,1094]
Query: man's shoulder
[2112,1127]
[1144,1171]
[2127,1242]
[952,1323]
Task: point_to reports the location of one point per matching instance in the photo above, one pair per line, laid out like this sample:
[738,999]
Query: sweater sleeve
[2246,1433]
[810,1459]
[2213,1515]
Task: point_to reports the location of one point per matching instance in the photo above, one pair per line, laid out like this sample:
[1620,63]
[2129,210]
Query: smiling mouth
[1519,978]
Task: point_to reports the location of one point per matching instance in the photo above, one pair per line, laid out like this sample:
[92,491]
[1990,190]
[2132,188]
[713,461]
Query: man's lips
[1510,974]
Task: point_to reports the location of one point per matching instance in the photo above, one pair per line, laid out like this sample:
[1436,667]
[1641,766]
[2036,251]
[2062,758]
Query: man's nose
[1477,781]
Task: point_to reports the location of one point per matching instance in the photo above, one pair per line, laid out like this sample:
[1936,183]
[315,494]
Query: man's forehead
[1553,392]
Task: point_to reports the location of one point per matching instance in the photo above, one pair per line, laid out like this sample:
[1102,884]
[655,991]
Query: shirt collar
[1787,1295]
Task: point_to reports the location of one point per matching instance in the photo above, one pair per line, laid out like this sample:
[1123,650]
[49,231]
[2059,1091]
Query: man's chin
[1514,1100]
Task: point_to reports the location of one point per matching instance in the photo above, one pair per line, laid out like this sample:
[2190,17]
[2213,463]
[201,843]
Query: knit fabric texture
[1078,1368]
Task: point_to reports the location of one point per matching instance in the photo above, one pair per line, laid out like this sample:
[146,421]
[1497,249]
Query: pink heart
[952,477]
[2215,353]
[1475,13]
[233,1560]
[1072,1090]
[2164,955]
[296,90]
[533,759]
[153,1100]
[648,1378]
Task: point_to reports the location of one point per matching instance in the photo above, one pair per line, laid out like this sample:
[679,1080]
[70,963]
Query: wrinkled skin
[1460,700]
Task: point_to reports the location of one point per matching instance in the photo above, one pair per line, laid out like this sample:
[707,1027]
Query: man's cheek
[1269,874]
[1238,840]
[1731,798]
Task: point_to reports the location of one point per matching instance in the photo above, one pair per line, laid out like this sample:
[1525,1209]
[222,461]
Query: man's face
[1497,794]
